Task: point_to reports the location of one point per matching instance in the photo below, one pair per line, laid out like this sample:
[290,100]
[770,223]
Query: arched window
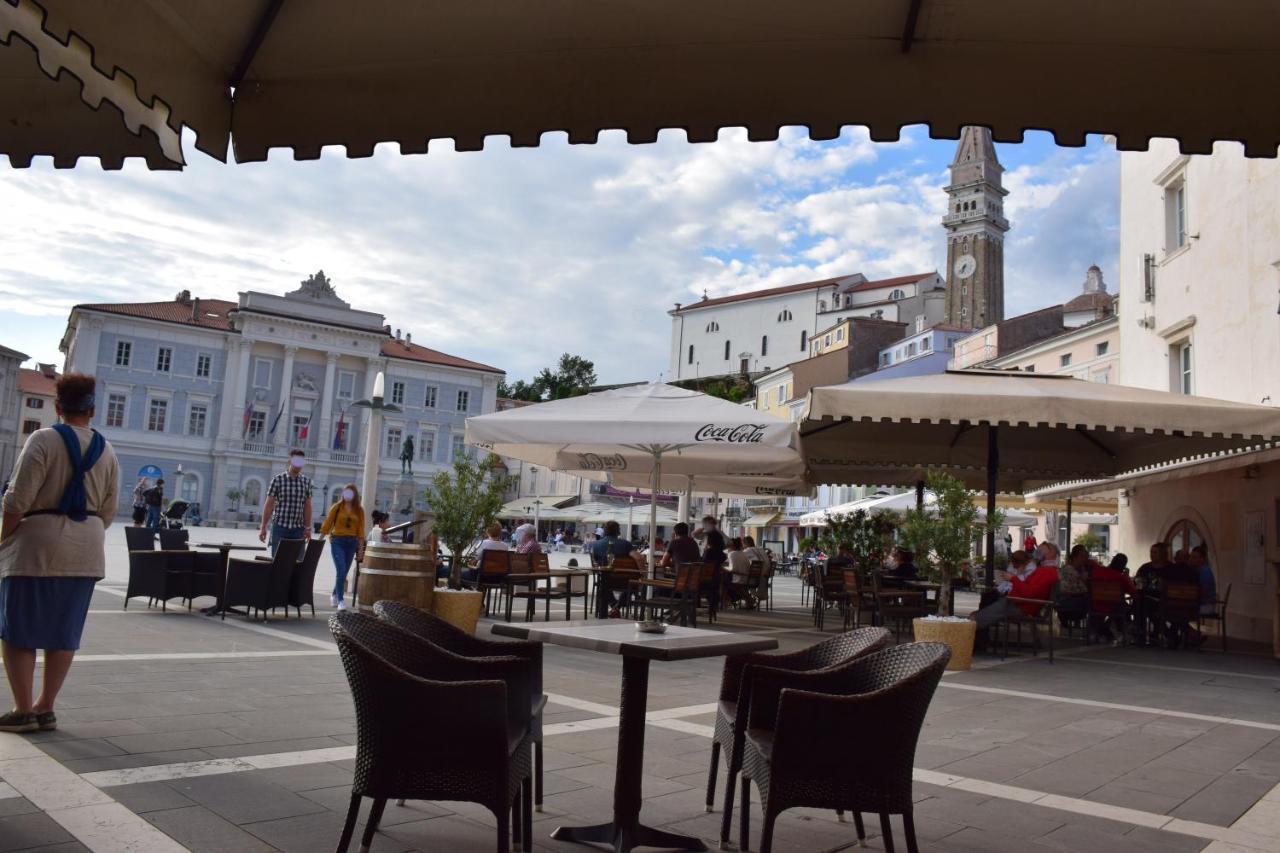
[764,346]
[726,350]
[691,353]
[713,326]
[1183,536]
[898,294]
[804,340]
[822,305]
[252,492]
[784,316]
[189,488]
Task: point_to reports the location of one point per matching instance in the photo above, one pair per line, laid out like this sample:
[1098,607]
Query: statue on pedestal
[406,456]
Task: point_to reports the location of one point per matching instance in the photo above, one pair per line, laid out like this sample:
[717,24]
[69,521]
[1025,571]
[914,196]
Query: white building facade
[215,393]
[1200,314]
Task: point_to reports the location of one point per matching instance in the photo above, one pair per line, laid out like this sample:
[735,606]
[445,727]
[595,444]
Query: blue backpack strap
[74,502]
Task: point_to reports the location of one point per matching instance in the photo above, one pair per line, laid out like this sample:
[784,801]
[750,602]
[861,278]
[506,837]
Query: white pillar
[372,451]
[284,430]
[325,442]
[233,395]
[373,368]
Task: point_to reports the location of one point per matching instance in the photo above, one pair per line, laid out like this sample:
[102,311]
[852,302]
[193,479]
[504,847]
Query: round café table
[625,831]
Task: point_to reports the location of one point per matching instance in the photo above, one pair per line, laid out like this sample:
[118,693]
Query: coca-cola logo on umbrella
[597,462]
[740,434]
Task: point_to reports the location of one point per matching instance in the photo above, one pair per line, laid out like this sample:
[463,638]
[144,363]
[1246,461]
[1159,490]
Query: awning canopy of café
[1048,429]
[1109,488]
[265,74]
[898,504]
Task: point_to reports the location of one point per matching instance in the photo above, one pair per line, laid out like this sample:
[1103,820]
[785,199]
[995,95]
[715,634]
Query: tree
[572,376]
[235,496]
[863,534]
[942,534]
[465,500]
[1091,541]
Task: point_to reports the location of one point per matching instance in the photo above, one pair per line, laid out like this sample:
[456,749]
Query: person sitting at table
[528,543]
[904,568]
[755,552]
[610,542]
[1112,625]
[1073,586]
[1199,560]
[737,572]
[381,521]
[1036,585]
[681,549]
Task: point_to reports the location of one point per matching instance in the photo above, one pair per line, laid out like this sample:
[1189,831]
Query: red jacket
[1039,585]
[1109,574]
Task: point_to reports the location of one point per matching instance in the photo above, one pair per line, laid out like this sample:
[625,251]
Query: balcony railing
[259,447]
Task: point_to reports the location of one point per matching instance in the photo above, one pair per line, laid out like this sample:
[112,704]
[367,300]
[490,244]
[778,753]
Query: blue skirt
[44,613]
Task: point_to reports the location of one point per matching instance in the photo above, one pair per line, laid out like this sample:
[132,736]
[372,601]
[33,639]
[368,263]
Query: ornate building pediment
[317,288]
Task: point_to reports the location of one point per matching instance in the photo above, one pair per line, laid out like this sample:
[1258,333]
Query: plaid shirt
[291,494]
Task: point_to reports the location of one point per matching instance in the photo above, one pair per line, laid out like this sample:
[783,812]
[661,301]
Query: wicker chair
[735,693]
[303,579]
[799,752]
[895,605]
[413,700]
[173,540]
[160,576]
[140,538]
[262,586]
[452,638]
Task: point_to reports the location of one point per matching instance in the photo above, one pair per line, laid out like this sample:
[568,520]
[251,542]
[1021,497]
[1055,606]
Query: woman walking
[59,504]
[344,525]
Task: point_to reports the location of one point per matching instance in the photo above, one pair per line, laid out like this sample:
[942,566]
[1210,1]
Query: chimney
[408,340]
[195,310]
[397,334]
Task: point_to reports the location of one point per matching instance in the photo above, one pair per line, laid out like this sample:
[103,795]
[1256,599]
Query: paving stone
[90,748]
[149,797]
[35,829]
[244,797]
[201,831]
[141,759]
[309,833]
[307,777]
[10,806]
[163,741]
[1223,801]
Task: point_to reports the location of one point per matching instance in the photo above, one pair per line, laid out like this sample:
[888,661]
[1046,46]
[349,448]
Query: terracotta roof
[392,348]
[797,288]
[36,383]
[885,282]
[1093,301]
[212,313]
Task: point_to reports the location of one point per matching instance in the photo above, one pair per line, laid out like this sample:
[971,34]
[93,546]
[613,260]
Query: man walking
[288,506]
[155,501]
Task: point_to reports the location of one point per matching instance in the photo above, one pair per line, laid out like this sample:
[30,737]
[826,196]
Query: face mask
[348,495]
[297,461]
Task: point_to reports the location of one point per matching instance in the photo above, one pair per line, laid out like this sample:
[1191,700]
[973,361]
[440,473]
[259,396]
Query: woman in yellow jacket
[345,527]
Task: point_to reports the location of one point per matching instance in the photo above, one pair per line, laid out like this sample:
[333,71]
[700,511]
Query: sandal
[18,722]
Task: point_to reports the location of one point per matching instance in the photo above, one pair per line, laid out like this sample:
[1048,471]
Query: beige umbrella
[303,75]
[1013,431]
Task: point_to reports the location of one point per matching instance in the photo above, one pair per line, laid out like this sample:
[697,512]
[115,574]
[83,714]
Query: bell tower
[975,227]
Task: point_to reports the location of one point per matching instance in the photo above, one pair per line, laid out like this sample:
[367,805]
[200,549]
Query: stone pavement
[182,731]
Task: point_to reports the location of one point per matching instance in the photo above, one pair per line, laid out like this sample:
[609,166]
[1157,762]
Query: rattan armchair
[262,586]
[799,753]
[735,693]
[448,636]
[413,701]
[160,576]
[303,580]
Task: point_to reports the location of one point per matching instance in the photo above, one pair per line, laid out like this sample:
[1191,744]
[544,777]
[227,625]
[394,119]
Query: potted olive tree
[941,535]
[465,501]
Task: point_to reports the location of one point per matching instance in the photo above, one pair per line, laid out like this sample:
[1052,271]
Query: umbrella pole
[919,495]
[993,466]
[1068,546]
[653,509]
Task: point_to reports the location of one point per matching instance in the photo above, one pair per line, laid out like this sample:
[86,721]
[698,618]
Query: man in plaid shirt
[288,507]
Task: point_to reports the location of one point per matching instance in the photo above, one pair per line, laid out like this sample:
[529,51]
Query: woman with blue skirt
[60,501]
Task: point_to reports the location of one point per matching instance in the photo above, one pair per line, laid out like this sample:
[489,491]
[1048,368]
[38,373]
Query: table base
[624,839]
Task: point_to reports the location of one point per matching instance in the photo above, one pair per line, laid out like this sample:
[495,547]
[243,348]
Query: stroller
[171,518]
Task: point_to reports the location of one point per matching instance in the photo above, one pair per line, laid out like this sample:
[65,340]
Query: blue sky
[512,256]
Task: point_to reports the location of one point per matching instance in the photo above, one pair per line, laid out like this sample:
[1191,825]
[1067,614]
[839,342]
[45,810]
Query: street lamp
[376,406]
[537,504]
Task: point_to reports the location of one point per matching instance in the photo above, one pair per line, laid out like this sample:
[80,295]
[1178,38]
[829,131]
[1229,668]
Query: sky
[513,256]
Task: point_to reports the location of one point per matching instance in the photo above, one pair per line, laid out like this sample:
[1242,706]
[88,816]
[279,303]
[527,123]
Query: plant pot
[958,635]
[458,607]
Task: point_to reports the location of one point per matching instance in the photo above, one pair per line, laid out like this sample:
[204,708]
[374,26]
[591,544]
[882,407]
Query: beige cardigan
[54,545]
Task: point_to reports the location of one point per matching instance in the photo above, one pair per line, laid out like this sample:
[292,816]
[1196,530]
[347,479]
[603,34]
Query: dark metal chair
[140,538]
[735,694]
[208,573]
[160,576]
[799,752]
[173,540]
[448,636]
[896,605]
[491,574]
[1179,607]
[303,579]
[1041,617]
[1107,608]
[412,700]
[1218,615]
[262,586]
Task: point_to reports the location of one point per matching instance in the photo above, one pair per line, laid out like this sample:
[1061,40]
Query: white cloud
[514,256]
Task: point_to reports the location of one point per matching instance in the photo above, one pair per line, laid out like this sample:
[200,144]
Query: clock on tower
[975,227]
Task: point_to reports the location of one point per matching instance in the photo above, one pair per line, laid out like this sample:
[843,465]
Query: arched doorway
[1183,535]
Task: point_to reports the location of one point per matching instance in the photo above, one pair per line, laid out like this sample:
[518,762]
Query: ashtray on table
[651,627]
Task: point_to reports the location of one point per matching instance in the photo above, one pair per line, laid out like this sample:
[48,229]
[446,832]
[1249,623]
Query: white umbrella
[643,429]
[900,503]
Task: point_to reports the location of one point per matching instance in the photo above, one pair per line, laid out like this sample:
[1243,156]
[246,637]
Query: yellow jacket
[341,521]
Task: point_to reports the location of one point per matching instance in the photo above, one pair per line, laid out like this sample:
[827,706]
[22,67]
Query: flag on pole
[305,429]
[275,423]
[248,413]
[340,432]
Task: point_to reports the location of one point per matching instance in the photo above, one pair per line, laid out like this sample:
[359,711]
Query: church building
[975,227]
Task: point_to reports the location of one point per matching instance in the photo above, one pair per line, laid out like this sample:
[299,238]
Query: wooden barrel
[395,572]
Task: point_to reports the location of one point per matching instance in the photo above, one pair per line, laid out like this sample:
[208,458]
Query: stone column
[324,441]
[374,365]
[283,437]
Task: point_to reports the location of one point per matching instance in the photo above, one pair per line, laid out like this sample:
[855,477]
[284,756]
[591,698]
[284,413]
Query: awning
[1048,429]
[306,75]
[1110,487]
[762,519]
[547,511]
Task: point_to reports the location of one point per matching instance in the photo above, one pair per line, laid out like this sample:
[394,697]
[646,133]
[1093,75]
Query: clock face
[965,266]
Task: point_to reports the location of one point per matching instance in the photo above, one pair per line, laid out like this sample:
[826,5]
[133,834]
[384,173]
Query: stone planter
[959,635]
[459,607]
